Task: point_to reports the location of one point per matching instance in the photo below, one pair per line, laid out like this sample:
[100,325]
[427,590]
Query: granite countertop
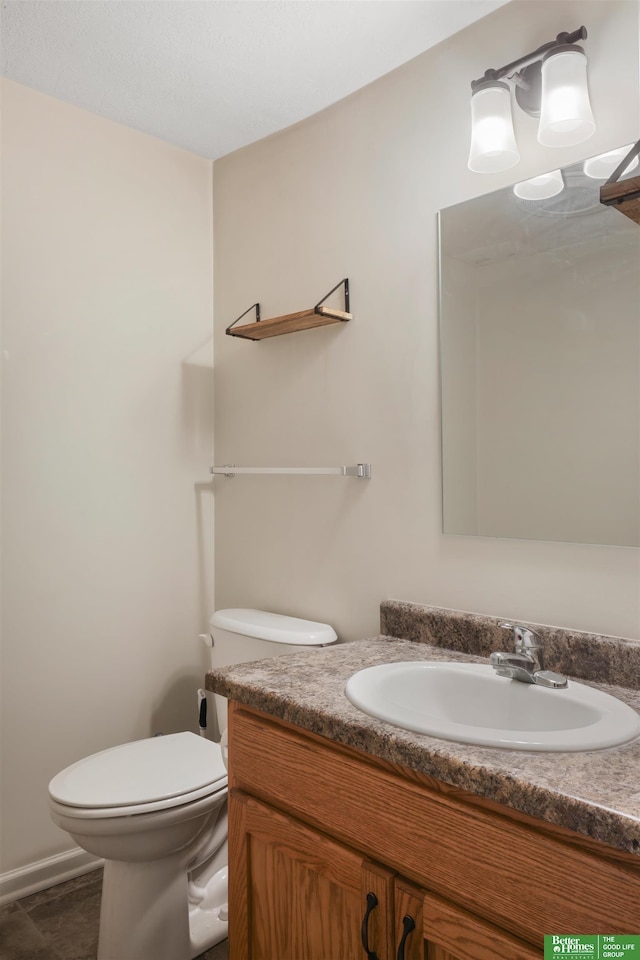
[595,793]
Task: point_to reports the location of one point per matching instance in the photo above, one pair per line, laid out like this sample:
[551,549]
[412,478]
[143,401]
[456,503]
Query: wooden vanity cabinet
[315,829]
[303,896]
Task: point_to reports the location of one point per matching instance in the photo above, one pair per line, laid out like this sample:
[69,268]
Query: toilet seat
[157,773]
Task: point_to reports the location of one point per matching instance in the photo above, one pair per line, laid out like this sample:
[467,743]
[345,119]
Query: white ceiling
[214,75]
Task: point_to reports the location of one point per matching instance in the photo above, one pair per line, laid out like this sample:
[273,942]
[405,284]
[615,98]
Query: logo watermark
[613,947]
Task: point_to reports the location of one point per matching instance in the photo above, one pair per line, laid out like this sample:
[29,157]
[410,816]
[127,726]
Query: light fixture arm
[511,70]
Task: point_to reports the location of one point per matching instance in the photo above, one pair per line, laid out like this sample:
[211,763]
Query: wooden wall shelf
[623,195]
[318,316]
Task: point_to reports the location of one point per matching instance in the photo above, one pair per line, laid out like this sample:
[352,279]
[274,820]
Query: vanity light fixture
[549,83]
[540,188]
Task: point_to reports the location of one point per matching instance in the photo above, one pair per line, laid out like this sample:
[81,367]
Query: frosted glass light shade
[602,166]
[565,112]
[493,143]
[540,188]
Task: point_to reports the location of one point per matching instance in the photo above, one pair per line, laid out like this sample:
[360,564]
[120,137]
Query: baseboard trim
[19,883]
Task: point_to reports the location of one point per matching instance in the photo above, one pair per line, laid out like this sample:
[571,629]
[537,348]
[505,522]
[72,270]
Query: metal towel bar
[362,471]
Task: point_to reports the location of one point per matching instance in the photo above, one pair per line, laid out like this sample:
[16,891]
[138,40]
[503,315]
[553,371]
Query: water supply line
[202,713]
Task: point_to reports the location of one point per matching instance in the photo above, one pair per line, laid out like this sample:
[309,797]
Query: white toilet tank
[240,635]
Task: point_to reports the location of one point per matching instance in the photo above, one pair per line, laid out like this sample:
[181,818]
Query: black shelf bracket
[256,307]
[344,283]
[622,166]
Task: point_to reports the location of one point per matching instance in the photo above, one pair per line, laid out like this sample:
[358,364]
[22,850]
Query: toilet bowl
[156,811]
[150,809]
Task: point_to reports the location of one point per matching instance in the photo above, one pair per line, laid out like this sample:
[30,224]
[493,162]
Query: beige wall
[107,432]
[354,192]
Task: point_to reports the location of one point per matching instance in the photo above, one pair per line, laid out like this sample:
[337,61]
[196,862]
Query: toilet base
[145,913]
[208,924]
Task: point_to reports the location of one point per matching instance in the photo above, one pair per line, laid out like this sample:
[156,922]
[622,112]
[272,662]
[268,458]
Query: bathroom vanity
[347,831]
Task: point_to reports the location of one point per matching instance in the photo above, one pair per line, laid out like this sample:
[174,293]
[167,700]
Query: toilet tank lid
[273,626]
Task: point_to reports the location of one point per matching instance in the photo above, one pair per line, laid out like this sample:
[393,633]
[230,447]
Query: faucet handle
[525,639]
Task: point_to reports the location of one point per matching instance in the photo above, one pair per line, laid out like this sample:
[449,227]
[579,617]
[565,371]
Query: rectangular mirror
[540,366]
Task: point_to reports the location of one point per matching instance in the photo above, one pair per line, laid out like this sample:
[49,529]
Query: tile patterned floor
[61,923]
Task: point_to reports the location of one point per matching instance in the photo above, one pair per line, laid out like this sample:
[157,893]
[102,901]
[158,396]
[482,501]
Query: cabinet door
[451,933]
[409,922]
[295,894]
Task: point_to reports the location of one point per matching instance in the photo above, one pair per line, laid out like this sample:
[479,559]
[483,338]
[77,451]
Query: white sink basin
[469,703]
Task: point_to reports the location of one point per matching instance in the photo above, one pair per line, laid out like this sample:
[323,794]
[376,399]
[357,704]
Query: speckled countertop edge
[595,793]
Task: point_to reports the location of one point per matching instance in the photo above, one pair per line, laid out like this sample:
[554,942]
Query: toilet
[156,811]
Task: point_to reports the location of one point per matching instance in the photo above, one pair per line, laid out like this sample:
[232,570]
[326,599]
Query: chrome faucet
[527,663]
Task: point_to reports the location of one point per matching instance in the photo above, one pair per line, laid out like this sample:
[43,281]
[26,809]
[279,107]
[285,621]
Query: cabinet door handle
[409,924]
[372,903]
